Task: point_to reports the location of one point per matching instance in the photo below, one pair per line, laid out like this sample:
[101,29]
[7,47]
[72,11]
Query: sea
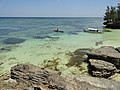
[32,40]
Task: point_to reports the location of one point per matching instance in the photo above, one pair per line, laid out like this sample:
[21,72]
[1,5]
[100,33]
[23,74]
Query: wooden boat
[58,31]
[92,30]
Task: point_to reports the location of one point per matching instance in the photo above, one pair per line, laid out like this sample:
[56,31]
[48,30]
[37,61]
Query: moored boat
[93,30]
[58,31]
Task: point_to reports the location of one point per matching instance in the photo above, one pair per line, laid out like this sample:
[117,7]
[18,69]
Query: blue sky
[80,8]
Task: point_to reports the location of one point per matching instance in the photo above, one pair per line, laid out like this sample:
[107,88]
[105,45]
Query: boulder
[30,77]
[106,53]
[101,68]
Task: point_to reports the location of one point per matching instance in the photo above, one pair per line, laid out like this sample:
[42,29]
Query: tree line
[112,16]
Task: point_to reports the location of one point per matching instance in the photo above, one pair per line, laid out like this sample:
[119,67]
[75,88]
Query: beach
[44,48]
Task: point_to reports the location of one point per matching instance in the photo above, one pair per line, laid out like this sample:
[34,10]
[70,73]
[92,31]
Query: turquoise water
[28,27]
[32,40]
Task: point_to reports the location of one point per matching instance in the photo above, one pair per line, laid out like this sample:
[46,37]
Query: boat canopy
[94,29]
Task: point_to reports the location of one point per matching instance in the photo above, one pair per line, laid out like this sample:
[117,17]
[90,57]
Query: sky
[55,8]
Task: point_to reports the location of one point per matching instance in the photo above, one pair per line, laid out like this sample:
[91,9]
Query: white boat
[93,30]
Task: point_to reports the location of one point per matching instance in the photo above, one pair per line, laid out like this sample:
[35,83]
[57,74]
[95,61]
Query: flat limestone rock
[101,68]
[92,83]
[106,53]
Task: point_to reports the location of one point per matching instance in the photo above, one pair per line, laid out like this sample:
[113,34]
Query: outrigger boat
[92,30]
[58,31]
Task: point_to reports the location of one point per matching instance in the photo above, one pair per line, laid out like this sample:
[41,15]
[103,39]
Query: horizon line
[45,16]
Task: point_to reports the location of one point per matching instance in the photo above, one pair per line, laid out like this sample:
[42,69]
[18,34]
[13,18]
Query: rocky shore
[103,64]
[30,77]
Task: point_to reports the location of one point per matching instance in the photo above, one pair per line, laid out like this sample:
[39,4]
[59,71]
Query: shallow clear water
[32,40]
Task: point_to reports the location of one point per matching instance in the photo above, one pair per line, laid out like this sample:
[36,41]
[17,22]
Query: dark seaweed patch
[7,48]
[75,61]
[44,37]
[41,37]
[13,40]
[51,64]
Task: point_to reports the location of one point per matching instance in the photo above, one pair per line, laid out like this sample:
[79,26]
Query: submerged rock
[106,53]
[100,68]
[30,76]
[82,51]
[78,56]
[75,60]
[44,37]
[13,40]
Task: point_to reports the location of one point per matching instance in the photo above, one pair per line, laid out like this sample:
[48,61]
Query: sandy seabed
[55,53]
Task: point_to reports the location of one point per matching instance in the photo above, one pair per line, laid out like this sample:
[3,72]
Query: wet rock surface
[78,57]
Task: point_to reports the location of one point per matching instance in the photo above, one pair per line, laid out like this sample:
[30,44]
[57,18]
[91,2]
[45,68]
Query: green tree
[107,14]
[113,14]
[118,12]
[110,14]
[112,17]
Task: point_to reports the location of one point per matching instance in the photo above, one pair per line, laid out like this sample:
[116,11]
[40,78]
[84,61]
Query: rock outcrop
[100,68]
[31,77]
[103,62]
[106,53]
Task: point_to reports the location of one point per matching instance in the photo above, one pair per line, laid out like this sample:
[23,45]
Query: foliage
[118,12]
[112,15]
